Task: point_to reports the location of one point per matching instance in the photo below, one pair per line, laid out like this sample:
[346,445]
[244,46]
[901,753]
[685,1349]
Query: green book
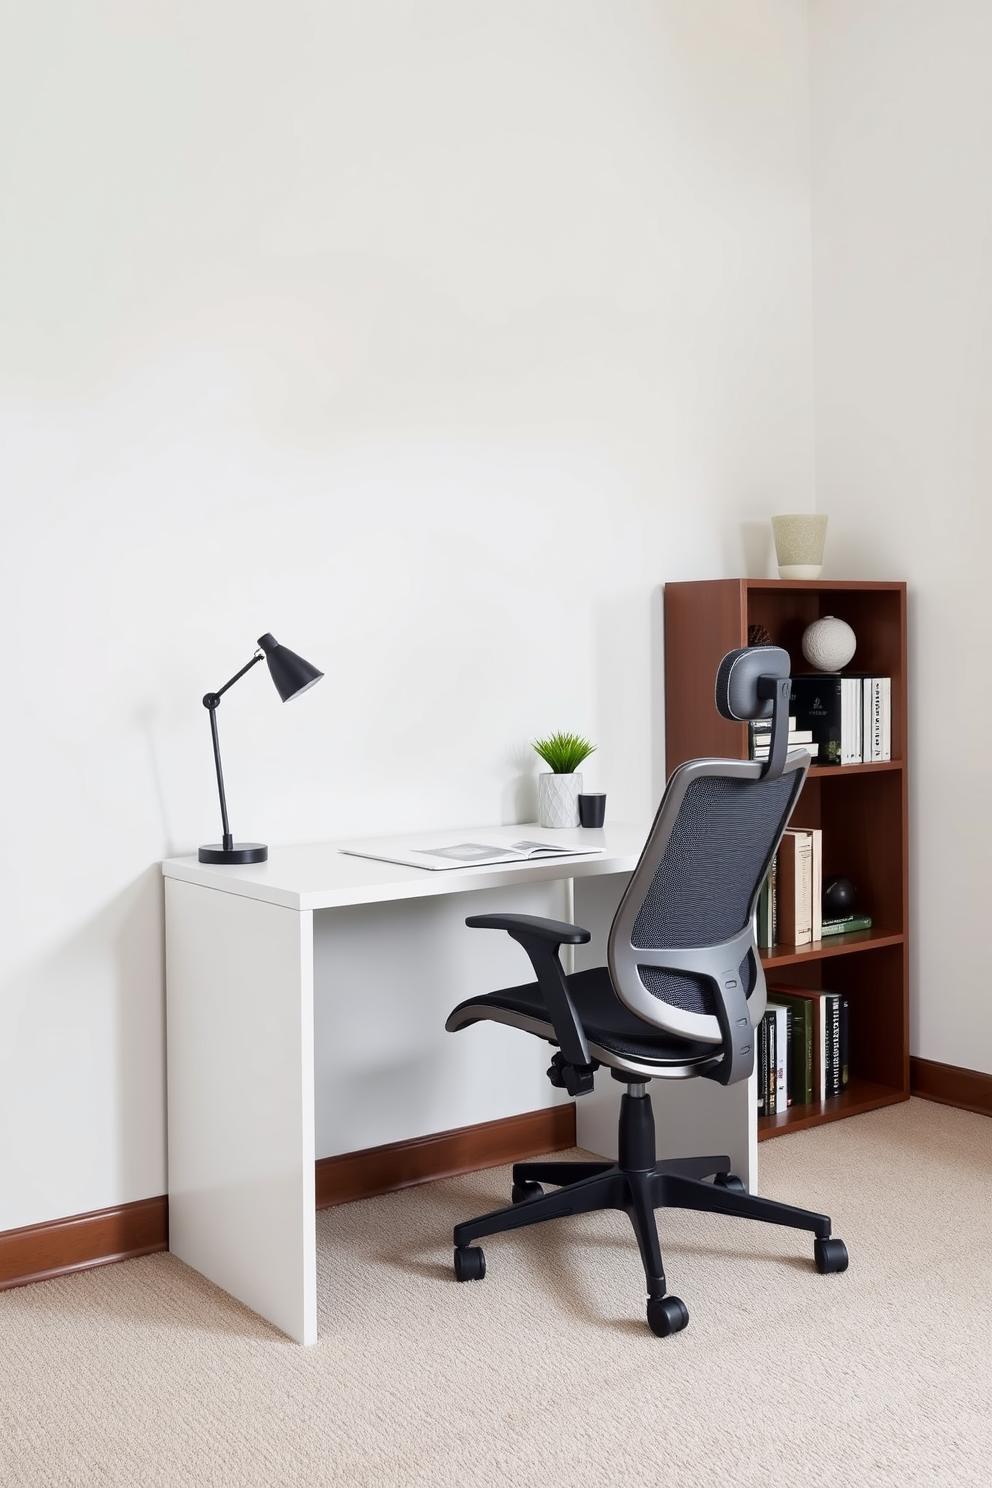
[846,925]
[800,1045]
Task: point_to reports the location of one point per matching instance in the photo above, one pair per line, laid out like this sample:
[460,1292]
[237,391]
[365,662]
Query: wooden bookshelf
[862,809]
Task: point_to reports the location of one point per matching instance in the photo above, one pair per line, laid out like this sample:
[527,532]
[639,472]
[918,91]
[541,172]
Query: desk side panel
[239,978]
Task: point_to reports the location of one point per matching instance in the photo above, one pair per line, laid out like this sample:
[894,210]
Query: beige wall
[902,295]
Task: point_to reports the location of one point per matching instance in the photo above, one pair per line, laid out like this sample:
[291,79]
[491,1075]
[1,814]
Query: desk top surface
[319,875]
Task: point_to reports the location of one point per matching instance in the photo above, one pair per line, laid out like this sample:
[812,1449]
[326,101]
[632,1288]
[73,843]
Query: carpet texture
[545,1373]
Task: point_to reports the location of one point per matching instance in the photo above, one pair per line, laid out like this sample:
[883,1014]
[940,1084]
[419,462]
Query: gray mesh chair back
[681,949]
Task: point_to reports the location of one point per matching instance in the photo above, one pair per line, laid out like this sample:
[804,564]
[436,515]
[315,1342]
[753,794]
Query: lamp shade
[291,674]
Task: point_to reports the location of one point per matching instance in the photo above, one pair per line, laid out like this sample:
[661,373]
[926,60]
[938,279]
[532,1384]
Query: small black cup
[592,810]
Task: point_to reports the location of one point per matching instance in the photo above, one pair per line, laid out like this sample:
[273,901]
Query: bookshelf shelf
[861,809]
[827,772]
[820,950]
[861,1095]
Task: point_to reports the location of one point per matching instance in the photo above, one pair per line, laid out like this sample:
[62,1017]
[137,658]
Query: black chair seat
[604,1018]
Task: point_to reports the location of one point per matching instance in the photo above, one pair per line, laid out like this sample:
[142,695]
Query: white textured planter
[558,799]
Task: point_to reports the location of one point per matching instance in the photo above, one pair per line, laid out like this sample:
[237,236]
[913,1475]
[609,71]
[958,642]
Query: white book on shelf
[850,721]
[884,685]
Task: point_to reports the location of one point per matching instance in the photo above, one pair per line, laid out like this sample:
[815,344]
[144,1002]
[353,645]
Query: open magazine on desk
[468,854]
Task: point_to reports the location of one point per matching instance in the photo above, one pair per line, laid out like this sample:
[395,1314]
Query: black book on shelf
[829,705]
[832,1081]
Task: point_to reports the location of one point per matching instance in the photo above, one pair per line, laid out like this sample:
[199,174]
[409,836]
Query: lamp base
[241,852]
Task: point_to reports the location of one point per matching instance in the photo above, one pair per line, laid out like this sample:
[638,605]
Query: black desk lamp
[292,676]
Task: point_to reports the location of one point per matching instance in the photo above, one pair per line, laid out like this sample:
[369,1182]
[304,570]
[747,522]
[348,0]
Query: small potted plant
[559,789]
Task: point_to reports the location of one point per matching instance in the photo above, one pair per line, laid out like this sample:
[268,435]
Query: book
[878,718]
[817,1033]
[845,924]
[831,1059]
[816,884]
[851,720]
[764,930]
[771,1064]
[467,854]
[794,888]
[763,927]
[761,1065]
[781,1015]
[830,706]
[845,1043]
[800,1043]
[762,752]
[764,725]
[760,738]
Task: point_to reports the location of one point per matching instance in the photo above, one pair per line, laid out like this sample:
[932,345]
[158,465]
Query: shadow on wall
[518,800]
[759,551]
[90,1120]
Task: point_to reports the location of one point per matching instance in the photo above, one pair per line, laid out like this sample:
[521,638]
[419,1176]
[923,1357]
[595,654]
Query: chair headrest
[737,691]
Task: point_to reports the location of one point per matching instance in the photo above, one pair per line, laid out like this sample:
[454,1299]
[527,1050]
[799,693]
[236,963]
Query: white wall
[433,337]
[902,261]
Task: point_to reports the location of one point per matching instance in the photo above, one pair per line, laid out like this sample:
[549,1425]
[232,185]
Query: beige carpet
[545,1373]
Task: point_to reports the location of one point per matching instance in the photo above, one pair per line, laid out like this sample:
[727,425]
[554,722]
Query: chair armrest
[554,932]
[541,938]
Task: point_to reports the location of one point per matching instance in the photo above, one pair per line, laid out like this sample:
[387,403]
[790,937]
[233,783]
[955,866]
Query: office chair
[681,996]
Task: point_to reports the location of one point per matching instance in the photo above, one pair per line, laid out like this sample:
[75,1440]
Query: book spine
[816,892]
[763,926]
[781,1060]
[868,718]
[845,1043]
[851,717]
[795,888]
[772,1066]
[831,1084]
[761,1067]
[805,1053]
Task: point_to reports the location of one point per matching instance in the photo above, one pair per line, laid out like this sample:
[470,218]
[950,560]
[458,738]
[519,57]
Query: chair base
[638,1184]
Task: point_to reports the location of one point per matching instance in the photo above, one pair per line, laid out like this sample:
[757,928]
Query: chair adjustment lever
[576,1079]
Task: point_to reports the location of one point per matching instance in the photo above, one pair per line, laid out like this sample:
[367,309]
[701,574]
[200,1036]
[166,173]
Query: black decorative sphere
[838,896]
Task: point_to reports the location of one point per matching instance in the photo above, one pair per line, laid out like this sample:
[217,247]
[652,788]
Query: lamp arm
[259,656]
[211,701]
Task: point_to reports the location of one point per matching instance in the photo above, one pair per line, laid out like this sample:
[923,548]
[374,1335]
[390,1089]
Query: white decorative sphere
[829,644]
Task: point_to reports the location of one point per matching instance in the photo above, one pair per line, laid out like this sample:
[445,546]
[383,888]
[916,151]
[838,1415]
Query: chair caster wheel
[666,1315]
[830,1255]
[525,1189]
[730,1182]
[470,1263]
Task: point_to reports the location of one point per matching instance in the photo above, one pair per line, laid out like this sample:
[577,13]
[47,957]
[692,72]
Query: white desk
[240,959]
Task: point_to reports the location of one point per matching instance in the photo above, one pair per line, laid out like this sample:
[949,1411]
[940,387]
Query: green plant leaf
[563,753]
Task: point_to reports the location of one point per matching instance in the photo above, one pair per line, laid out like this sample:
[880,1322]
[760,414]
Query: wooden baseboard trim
[969,1090]
[82,1241]
[379,1170]
[38,1252]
